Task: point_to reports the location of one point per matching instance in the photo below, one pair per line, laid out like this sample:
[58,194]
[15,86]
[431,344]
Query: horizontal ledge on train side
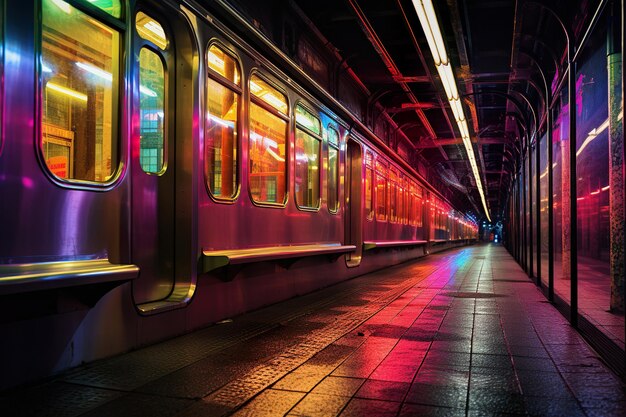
[214,259]
[439,241]
[369,245]
[20,278]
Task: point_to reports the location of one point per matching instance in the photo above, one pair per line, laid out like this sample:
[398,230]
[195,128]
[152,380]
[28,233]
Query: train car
[160,172]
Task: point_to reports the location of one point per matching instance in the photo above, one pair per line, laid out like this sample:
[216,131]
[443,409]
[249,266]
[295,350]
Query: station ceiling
[500,51]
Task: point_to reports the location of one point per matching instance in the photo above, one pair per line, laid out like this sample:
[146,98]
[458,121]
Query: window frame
[338,178]
[118,138]
[320,142]
[252,99]
[237,89]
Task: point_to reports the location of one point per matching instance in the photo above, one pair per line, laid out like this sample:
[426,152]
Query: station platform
[459,333]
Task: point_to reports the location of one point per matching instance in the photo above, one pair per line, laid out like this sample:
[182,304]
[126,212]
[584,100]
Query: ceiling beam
[425,144]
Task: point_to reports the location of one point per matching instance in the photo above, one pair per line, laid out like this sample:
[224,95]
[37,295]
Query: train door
[162,162]
[353,203]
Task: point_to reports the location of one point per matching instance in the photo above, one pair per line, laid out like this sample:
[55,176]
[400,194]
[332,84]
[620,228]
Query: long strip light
[430,25]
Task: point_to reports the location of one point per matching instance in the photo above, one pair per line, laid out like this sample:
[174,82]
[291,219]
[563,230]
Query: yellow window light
[150,30]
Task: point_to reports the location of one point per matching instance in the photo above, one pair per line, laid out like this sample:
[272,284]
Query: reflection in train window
[152,111]
[308,145]
[112,7]
[221,143]
[80,67]
[150,30]
[381,191]
[267,149]
[333,171]
[369,177]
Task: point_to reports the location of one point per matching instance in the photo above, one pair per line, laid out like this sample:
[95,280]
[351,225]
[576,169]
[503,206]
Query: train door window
[333,171]
[152,111]
[369,178]
[152,140]
[308,148]
[221,127]
[267,149]
[80,67]
[381,191]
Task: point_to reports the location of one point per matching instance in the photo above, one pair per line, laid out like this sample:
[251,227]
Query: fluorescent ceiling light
[447,79]
[428,20]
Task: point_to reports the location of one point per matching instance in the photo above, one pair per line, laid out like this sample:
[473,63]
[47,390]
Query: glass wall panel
[560,195]
[528,232]
[80,76]
[533,212]
[545,209]
[594,192]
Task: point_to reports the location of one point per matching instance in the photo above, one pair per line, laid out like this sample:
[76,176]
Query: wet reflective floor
[461,333]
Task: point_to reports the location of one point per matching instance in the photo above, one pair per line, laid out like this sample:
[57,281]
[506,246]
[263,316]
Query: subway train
[161,171]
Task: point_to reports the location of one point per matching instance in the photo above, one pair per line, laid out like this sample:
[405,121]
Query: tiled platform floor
[462,333]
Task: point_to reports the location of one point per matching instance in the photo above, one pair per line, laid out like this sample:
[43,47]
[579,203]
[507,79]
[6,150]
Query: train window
[223,64]
[308,145]
[152,111]
[150,30]
[419,207]
[221,143]
[80,78]
[381,191]
[333,171]
[369,178]
[267,150]
[393,195]
[412,204]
